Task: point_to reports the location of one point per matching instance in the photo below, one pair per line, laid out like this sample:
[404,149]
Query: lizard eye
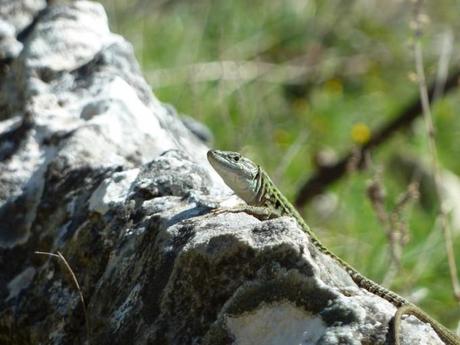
[236,158]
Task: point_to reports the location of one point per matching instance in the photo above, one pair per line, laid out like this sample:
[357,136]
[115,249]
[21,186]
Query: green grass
[359,58]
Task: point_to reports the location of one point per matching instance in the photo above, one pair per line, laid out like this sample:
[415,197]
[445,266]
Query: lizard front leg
[259,212]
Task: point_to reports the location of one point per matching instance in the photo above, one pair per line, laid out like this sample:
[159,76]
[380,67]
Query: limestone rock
[93,166]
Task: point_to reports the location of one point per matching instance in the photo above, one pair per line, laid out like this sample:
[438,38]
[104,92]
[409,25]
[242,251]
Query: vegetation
[287,81]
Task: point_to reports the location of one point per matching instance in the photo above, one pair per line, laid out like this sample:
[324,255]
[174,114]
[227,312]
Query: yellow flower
[360,133]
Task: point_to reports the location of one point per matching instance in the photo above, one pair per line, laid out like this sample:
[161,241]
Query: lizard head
[238,172]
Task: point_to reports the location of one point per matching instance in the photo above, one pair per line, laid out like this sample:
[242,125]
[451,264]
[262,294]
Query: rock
[16,17]
[93,166]
[9,46]
[20,14]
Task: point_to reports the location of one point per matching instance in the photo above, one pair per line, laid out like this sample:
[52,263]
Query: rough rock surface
[93,166]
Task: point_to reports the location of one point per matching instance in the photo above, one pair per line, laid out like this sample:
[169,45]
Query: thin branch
[327,175]
[429,127]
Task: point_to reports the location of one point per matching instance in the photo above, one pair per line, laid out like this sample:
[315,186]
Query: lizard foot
[261,213]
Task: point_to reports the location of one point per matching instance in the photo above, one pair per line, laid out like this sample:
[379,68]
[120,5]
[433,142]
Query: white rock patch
[276,324]
[112,191]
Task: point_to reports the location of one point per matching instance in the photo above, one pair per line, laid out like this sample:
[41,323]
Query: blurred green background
[286,81]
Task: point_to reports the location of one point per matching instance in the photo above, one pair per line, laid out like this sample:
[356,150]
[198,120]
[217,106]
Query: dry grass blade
[429,127]
[75,281]
[392,221]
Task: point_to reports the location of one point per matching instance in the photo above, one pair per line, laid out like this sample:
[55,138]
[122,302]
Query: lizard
[264,200]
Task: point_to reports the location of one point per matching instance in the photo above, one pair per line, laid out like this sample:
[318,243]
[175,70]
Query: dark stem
[326,175]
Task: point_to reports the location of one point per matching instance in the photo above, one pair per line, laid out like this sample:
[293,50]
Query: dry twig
[429,127]
[326,175]
[393,222]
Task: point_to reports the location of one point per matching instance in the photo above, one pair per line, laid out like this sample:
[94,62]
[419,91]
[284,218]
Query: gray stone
[10,47]
[20,13]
